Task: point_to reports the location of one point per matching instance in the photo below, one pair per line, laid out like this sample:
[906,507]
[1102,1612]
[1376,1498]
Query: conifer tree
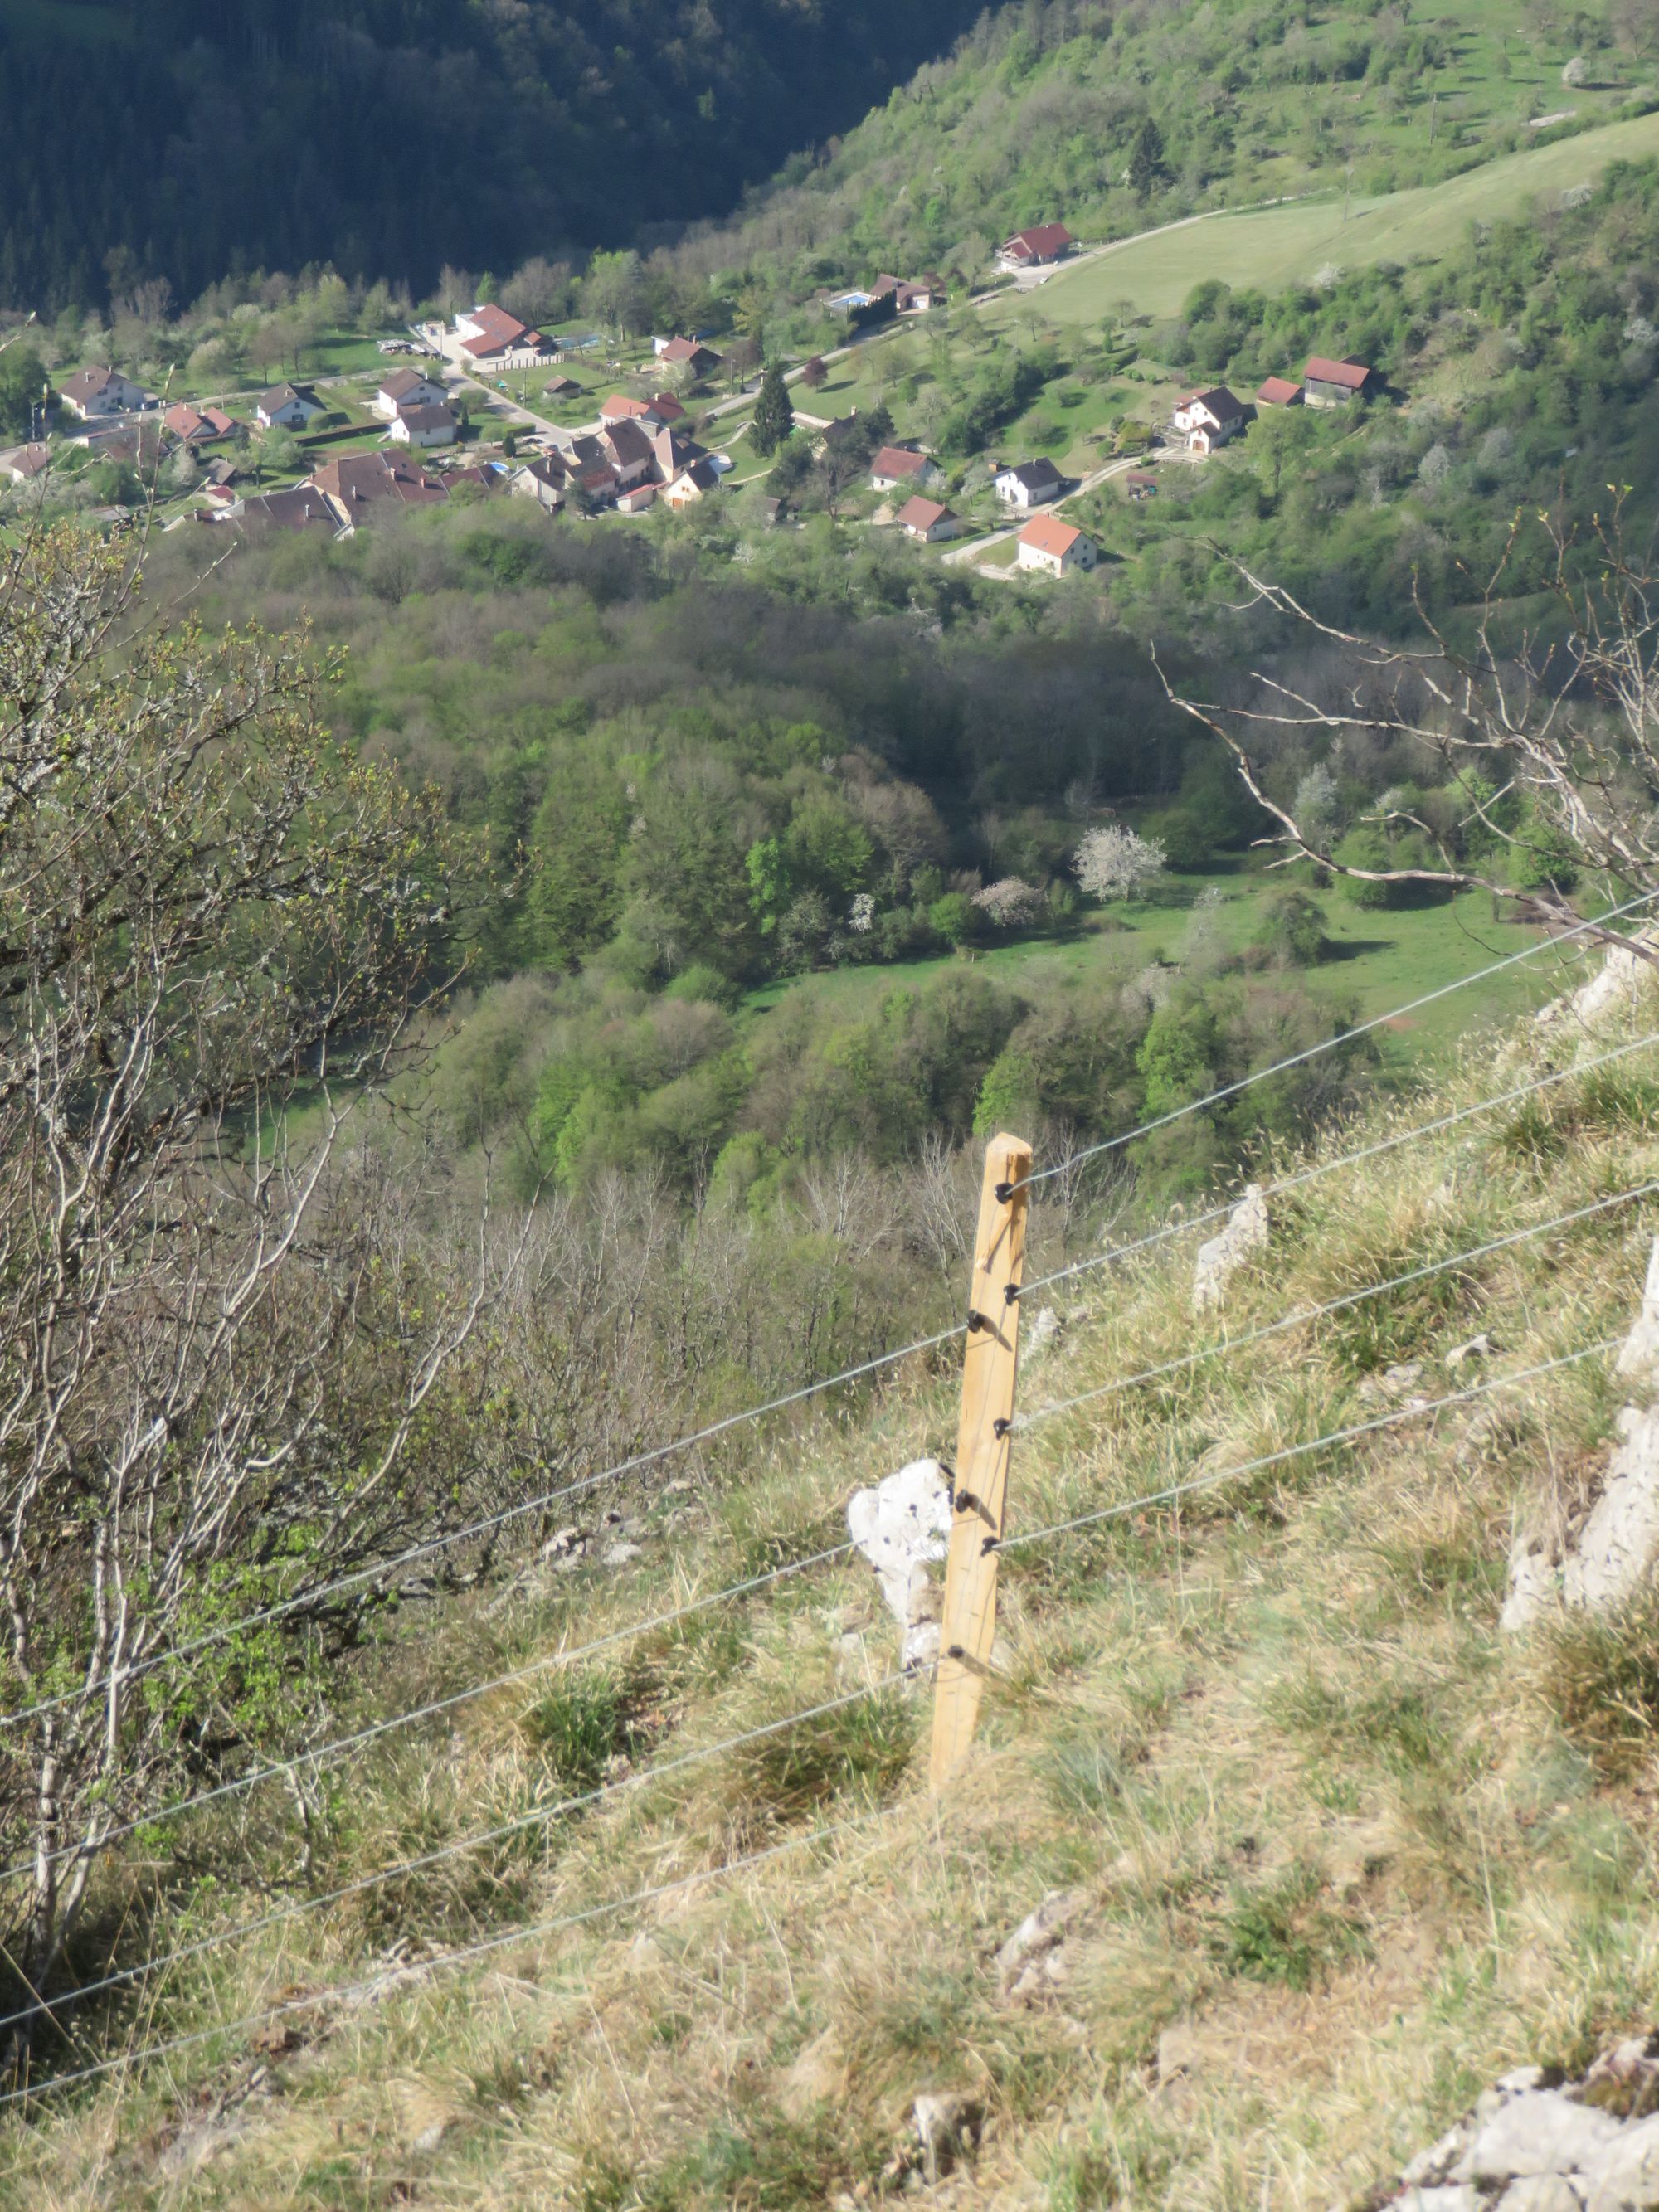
[1147,166]
[774,418]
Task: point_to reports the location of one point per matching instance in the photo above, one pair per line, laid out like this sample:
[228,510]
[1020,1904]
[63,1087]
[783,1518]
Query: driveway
[975,546]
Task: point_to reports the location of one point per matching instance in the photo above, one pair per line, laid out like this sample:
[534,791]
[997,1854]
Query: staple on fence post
[969,1623]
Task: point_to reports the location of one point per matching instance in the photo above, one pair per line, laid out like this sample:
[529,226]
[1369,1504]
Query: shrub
[1291,932]
[954,918]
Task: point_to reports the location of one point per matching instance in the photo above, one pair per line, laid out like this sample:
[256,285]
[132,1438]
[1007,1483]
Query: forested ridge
[182,142]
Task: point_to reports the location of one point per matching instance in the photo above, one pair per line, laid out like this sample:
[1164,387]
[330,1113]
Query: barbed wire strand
[1300,1316]
[318,1752]
[1321,1168]
[315,1754]
[301,1908]
[1118,1510]
[1328,1044]
[372,1985]
[142,1667]
[1416,1411]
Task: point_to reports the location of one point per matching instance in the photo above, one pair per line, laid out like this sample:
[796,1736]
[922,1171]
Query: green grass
[1381,961]
[1278,246]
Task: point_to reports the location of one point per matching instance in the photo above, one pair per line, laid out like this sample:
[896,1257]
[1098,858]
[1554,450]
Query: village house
[99,392]
[488,337]
[692,485]
[1053,547]
[1209,419]
[1036,248]
[637,498]
[489,476]
[357,484]
[200,426]
[925,520]
[304,508]
[894,466]
[632,451]
[545,480]
[424,426]
[914,298]
[1336,383]
[1032,484]
[286,407]
[21,464]
[405,387]
[663,407]
[687,353]
[1278,392]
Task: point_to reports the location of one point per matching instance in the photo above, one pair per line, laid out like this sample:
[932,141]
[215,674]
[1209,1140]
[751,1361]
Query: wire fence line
[1119,1509]
[225,1630]
[1321,1168]
[1328,1044]
[143,1666]
[434,1709]
[1210,1480]
[442,1854]
[374,1984]
[1300,1316]
[315,1755]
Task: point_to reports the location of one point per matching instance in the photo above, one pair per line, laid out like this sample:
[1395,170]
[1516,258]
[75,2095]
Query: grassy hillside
[1277,247]
[1335,1854]
[1036,113]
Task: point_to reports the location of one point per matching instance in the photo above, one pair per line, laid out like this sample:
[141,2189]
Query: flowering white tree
[1113,862]
[1008,903]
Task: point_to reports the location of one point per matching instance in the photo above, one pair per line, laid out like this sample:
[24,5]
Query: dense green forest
[178,141]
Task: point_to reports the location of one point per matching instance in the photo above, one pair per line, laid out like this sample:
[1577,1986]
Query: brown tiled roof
[1277,391]
[1040,241]
[359,480]
[690,350]
[402,382]
[898,461]
[500,332]
[919,513]
[1352,376]
[1047,533]
[429,415]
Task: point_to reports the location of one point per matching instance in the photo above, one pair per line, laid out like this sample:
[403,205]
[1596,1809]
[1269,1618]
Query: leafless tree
[217,1336]
[1547,749]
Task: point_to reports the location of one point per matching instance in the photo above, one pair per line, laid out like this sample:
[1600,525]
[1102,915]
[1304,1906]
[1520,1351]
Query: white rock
[1031,1959]
[901,1526]
[1626,2177]
[1540,2192]
[1540,2132]
[1621,976]
[1437,2161]
[1246,1231]
[946,2125]
[1478,1348]
[1638,1355]
[1458,2198]
[1042,1332]
[1534,1585]
[618,1555]
[1618,1546]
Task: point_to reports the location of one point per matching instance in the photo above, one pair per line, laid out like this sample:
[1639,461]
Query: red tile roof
[499,333]
[1350,375]
[1277,391]
[898,461]
[1047,533]
[1040,243]
[919,513]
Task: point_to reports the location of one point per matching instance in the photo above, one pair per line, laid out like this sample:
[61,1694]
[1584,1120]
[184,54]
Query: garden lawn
[1274,247]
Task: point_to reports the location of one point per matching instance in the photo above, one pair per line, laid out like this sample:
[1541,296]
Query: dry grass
[1341,1855]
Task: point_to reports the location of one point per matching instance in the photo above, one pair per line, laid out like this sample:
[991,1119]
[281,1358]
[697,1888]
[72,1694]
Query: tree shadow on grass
[1353,948]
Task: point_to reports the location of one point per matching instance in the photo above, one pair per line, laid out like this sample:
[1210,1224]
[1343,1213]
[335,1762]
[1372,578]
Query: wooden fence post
[969,1617]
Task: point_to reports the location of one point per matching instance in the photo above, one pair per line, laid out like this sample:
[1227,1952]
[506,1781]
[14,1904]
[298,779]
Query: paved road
[975,546]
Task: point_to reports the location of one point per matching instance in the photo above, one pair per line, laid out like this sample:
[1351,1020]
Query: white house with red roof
[1038,247]
[897,466]
[1052,547]
[925,520]
[1208,419]
[488,337]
